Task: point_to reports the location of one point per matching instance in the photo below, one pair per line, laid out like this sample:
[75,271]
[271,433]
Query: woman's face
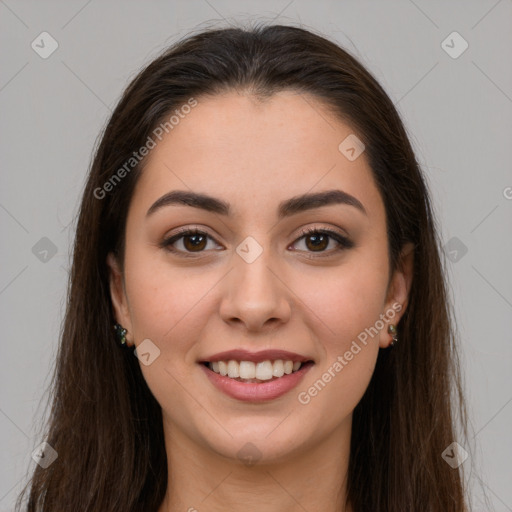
[253,280]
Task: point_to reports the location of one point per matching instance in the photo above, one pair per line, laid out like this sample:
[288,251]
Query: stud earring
[392,330]
[120,334]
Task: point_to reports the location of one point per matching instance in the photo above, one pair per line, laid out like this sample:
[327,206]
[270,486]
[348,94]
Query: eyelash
[344,242]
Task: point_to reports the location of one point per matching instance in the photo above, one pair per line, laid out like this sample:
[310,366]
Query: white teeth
[264,370]
[223,368]
[233,369]
[247,370]
[278,370]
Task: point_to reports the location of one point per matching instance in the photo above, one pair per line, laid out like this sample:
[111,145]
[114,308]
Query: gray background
[457,111]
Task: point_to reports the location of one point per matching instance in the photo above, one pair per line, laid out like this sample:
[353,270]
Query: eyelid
[323,229]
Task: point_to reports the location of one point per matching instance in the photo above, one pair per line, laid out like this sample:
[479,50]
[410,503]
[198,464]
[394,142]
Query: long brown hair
[105,424]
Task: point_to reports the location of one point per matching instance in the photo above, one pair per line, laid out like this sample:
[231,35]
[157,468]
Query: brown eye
[315,241]
[318,240]
[194,242]
[191,241]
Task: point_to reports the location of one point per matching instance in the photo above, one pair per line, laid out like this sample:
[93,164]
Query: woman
[256,225]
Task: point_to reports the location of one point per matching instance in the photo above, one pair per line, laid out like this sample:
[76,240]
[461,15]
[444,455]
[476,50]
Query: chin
[260,444]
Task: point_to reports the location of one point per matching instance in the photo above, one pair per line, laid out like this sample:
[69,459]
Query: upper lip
[256,357]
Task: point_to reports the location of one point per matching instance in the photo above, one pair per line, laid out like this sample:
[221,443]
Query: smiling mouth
[250,372]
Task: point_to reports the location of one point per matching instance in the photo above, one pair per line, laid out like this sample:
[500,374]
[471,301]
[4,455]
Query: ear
[118,294]
[398,293]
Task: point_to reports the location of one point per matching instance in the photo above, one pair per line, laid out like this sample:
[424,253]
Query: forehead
[254,153]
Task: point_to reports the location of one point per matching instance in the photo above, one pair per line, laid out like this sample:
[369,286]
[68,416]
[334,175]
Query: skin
[254,155]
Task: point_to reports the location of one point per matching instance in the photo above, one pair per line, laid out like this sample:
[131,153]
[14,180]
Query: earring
[120,334]
[392,330]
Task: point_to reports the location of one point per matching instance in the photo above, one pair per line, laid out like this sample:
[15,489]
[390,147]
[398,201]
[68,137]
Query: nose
[255,295]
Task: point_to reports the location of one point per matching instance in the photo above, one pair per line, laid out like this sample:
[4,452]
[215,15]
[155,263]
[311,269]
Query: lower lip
[254,391]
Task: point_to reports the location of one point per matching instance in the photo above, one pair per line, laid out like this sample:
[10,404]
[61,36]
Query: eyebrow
[286,208]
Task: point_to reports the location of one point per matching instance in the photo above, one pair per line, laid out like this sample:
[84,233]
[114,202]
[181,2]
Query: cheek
[169,307]
[343,301]
[343,306]
[166,303]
